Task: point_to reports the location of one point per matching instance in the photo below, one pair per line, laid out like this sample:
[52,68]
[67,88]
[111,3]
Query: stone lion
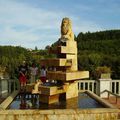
[66,29]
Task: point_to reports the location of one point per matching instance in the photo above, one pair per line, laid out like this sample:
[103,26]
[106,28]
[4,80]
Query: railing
[110,93]
[7,86]
[93,85]
[13,84]
[115,86]
[90,85]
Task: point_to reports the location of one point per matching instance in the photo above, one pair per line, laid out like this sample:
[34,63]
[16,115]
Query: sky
[30,23]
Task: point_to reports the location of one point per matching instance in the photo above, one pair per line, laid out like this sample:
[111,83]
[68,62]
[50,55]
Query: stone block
[56,62]
[72,90]
[49,90]
[67,76]
[49,99]
[67,50]
[74,66]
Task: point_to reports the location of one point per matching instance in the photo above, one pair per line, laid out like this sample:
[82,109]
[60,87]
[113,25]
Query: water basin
[83,101]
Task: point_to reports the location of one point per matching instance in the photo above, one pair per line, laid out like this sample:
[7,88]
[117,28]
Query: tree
[36,49]
[100,70]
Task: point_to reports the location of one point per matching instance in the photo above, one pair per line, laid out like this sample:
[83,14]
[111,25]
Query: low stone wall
[68,114]
[8,100]
[100,100]
[56,114]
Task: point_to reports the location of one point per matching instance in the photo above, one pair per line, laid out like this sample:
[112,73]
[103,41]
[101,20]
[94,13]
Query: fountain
[62,86]
[66,71]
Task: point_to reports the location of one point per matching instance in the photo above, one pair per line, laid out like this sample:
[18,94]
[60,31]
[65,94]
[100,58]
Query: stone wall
[68,114]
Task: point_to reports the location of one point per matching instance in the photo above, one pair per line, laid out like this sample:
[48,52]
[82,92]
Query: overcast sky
[30,23]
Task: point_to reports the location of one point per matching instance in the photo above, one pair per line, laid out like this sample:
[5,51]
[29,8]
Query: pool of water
[32,102]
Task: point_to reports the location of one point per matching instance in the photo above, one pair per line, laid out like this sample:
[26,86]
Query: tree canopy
[99,49]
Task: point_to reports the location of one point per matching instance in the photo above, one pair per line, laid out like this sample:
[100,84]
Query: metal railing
[113,94]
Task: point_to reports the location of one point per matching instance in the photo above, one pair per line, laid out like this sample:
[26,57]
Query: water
[85,101]
[32,102]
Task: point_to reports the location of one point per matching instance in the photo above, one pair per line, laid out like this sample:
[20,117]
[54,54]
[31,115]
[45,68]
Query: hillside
[11,57]
[99,49]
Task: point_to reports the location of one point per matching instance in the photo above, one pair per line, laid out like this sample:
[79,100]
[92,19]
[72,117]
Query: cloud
[21,24]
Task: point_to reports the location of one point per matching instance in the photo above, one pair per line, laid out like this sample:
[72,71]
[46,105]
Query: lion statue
[66,30]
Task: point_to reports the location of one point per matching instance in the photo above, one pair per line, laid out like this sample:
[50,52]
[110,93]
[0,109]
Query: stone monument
[65,73]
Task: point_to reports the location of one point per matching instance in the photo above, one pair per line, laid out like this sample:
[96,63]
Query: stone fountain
[65,68]
[65,75]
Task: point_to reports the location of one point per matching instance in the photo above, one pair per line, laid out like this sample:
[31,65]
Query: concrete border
[57,114]
[100,100]
[65,114]
[8,100]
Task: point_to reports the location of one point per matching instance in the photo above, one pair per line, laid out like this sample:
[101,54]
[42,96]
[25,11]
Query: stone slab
[67,76]
[56,62]
[70,48]
[8,100]
[67,50]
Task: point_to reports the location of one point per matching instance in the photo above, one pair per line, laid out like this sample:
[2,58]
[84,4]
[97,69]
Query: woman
[43,74]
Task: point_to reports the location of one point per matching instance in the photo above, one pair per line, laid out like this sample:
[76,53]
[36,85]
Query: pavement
[112,100]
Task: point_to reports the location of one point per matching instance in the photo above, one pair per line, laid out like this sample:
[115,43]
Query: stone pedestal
[104,84]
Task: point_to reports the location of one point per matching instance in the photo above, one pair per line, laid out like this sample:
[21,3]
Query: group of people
[29,74]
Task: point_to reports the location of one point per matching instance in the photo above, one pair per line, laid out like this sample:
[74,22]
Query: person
[34,73]
[22,102]
[23,75]
[43,74]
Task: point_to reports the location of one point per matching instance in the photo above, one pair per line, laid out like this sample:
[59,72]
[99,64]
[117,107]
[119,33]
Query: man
[23,69]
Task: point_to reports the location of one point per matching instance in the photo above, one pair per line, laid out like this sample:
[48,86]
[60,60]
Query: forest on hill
[11,58]
[95,50]
[99,49]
